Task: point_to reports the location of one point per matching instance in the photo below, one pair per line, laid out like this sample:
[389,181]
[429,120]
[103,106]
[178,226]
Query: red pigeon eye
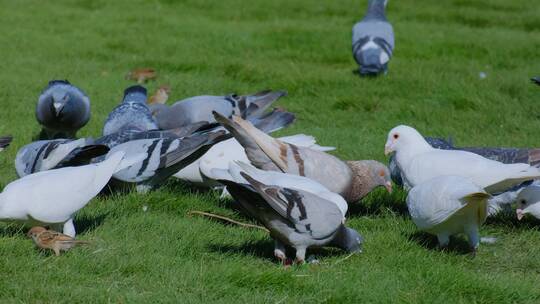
[396,136]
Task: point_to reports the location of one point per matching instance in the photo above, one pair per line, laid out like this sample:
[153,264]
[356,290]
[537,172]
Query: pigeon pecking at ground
[528,201]
[132,114]
[373,40]
[419,162]
[62,109]
[199,108]
[297,211]
[448,205]
[353,180]
[52,197]
[57,153]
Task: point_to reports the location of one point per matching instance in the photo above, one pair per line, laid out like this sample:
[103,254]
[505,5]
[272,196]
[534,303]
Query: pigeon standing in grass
[53,197]
[62,109]
[199,108]
[57,153]
[373,40]
[419,162]
[353,180]
[297,211]
[448,205]
[131,114]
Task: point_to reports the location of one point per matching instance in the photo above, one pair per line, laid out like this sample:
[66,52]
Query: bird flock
[290,185]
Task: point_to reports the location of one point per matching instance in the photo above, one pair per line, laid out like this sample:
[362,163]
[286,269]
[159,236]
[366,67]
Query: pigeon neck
[411,150]
[375,10]
[362,182]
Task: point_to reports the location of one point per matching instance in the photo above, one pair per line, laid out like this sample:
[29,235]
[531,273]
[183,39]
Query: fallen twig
[224,218]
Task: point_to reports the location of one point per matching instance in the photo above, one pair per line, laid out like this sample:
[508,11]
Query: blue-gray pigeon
[57,153]
[200,108]
[373,40]
[297,211]
[62,109]
[131,114]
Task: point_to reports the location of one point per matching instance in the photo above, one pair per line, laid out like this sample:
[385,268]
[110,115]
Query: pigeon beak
[387,150]
[388,186]
[58,106]
[520,214]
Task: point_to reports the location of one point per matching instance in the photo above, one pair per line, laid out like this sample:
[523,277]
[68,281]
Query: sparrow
[141,75]
[55,241]
[161,95]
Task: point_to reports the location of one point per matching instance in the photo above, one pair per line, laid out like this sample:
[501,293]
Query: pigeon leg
[69,228]
[143,189]
[474,238]
[443,239]
[279,252]
[300,256]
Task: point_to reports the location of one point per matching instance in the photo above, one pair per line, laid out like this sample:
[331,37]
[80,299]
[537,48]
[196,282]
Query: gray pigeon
[536,80]
[53,154]
[295,215]
[131,114]
[164,157]
[5,141]
[199,108]
[353,180]
[62,109]
[373,40]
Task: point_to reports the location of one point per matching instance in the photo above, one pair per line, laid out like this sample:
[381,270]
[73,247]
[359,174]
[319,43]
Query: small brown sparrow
[142,75]
[56,241]
[161,95]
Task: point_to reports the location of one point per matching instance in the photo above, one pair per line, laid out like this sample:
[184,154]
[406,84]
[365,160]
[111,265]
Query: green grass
[303,46]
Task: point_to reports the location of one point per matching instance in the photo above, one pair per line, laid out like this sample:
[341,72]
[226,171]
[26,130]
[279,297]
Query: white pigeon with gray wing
[52,154]
[62,109]
[449,205]
[132,114]
[353,180]
[528,201]
[296,210]
[373,40]
[200,108]
[420,162]
[53,197]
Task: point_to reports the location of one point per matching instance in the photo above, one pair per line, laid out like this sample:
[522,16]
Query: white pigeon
[528,201]
[448,205]
[53,197]
[280,179]
[420,162]
[219,156]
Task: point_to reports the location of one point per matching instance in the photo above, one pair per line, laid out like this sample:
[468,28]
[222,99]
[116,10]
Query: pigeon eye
[522,202]
[396,136]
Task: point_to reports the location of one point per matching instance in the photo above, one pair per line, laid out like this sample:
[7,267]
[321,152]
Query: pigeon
[448,205]
[420,162]
[51,198]
[529,156]
[163,157]
[131,114]
[353,180]
[199,108]
[5,141]
[536,80]
[297,211]
[528,201]
[57,153]
[55,241]
[62,109]
[373,40]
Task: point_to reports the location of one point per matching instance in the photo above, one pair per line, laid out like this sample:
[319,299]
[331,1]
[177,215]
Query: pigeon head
[348,239]
[63,104]
[528,201]
[402,137]
[368,175]
[373,59]
[136,94]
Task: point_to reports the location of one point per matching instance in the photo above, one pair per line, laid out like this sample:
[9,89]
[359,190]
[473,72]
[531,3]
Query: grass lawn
[302,46]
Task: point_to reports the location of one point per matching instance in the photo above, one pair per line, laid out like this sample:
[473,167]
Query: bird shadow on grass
[86,223]
[458,245]
[380,202]
[508,220]
[264,249]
